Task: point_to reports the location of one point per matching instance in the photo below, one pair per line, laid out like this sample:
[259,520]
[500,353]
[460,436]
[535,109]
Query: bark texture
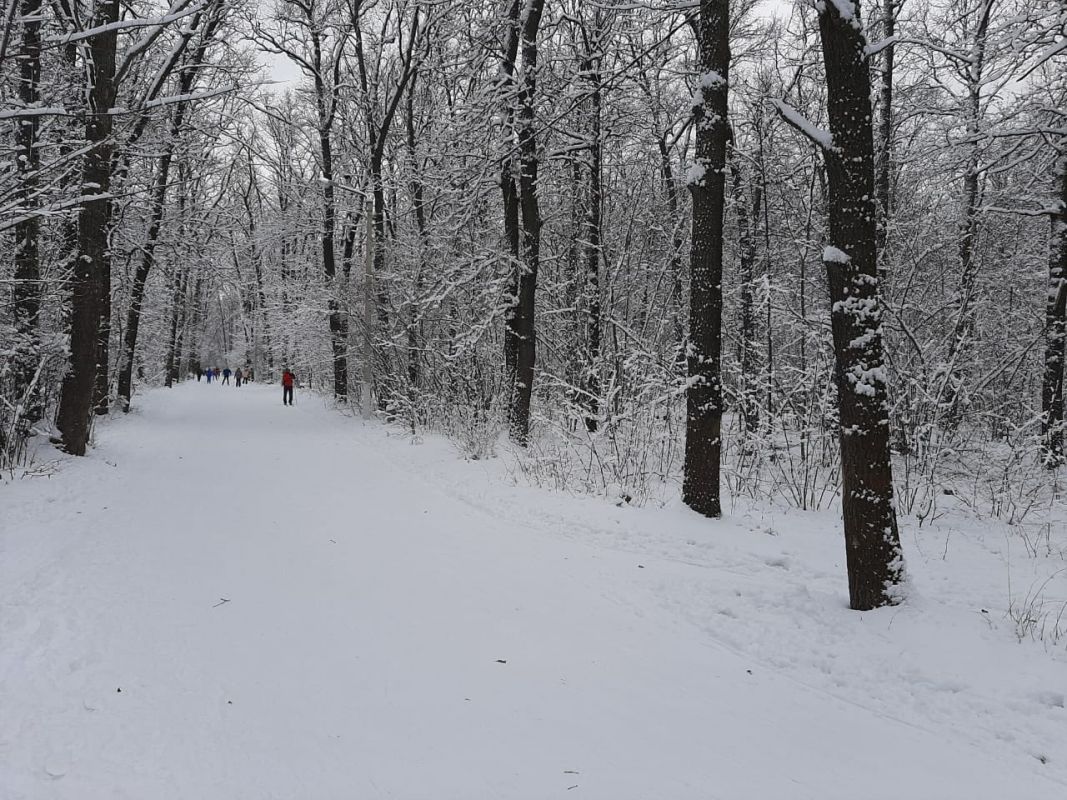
[707,182]
[524,329]
[90,284]
[27,289]
[872,543]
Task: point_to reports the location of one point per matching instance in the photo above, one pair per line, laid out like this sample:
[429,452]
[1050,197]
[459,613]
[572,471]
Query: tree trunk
[707,182]
[530,213]
[885,125]
[385,386]
[510,195]
[419,203]
[262,310]
[91,273]
[196,320]
[27,290]
[367,389]
[872,544]
[174,347]
[338,325]
[1052,389]
[591,377]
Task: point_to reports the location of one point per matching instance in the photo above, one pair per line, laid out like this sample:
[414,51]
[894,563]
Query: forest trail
[232,599]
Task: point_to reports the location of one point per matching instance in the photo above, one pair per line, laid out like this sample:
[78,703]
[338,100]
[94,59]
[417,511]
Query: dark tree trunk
[707,182]
[530,214]
[174,345]
[196,320]
[338,325]
[872,544]
[591,368]
[262,310]
[885,125]
[27,290]
[385,383]
[509,189]
[1052,390]
[91,271]
[418,195]
[325,101]
[101,388]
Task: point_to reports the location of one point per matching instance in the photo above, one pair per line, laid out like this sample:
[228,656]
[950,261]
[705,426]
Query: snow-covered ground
[232,599]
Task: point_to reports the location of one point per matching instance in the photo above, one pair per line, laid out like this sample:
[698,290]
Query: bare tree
[872,543]
[707,183]
[91,283]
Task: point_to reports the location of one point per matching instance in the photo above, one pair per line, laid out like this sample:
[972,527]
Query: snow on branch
[817,135]
[1025,212]
[20,113]
[124,24]
[73,202]
[878,47]
[184,98]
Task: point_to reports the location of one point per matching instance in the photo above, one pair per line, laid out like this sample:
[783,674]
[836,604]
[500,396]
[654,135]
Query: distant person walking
[208,375]
[238,376]
[199,375]
[225,376]
[288,379]
[216,373]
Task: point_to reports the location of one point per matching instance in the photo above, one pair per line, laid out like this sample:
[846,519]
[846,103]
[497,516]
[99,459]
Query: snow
[232,599]
[711,80]
[36,111]
[819,136]
[834,255]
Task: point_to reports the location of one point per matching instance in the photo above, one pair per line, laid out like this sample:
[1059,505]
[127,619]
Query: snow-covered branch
[813,132]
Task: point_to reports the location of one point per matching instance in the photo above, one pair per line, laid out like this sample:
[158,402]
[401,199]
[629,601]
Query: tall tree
[91,283]
[523,324]
[872,542]
[27,294]
[707,183]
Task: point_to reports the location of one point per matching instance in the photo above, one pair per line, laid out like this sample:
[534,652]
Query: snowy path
[357,653]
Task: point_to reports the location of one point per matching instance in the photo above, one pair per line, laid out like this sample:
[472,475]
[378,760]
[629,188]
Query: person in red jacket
[288,379]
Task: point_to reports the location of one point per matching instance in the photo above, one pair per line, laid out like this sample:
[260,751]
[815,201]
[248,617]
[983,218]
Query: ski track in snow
[231,599]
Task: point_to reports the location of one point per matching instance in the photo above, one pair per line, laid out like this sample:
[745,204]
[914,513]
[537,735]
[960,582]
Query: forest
[787,252]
